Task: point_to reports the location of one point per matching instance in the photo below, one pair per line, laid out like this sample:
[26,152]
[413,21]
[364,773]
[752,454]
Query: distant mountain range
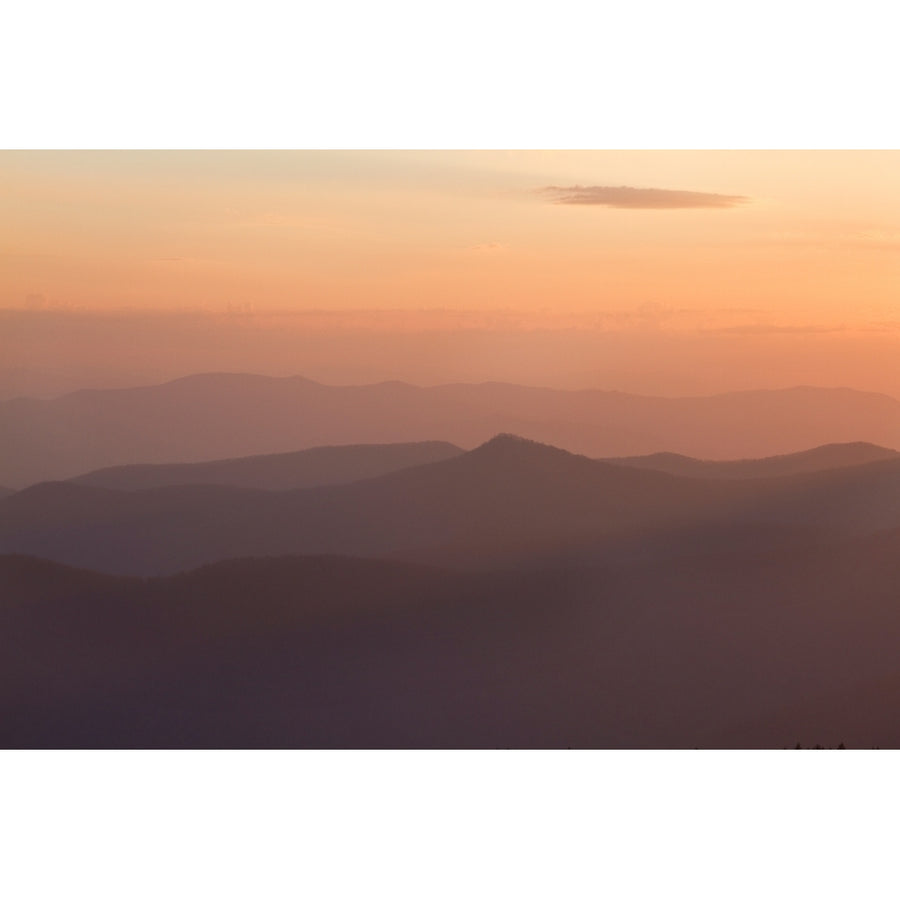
[508,501]
[210,417]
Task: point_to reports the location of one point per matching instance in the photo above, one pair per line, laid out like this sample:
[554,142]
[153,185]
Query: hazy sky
[763,257]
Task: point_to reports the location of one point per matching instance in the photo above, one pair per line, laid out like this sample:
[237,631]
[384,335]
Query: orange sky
[766,245]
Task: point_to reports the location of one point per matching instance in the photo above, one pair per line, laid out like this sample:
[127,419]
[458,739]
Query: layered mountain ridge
[509,499]
[210,417]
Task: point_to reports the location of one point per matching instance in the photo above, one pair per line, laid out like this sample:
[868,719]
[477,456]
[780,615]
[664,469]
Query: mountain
[509,501]
[830,456]
[209,417]
[278,471]
[5,492]
[508,490]
[338,652]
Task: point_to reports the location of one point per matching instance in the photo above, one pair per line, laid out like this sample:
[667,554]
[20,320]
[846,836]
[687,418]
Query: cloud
[639,198]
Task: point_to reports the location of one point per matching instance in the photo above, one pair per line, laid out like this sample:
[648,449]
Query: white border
[475,73]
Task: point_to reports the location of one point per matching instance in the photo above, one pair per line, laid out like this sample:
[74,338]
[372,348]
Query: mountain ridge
[505,493]
[312,467]
[326,651]
[825,456]
[209,417]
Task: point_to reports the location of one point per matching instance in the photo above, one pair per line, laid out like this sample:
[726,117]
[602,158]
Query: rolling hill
[769,648]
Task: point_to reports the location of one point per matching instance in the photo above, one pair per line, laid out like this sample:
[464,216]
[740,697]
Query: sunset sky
[633,270]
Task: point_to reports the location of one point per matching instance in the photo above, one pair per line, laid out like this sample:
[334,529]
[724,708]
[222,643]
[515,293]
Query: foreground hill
[278,471]
[506,502]
[336,652]
[830,456]
[206,417]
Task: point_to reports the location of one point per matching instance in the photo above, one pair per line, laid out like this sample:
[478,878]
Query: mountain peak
[506,437]
[505,440]
[508,445]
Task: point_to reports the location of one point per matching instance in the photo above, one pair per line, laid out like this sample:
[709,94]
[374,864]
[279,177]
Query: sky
[651,271]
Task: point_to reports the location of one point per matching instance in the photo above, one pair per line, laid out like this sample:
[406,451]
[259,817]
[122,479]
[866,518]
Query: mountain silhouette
[279,471]
[336,652]
[509,499]
[829,456]
[217,416]
[507,490]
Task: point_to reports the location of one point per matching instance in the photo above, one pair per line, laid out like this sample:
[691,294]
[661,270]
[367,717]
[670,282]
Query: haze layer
[651,272]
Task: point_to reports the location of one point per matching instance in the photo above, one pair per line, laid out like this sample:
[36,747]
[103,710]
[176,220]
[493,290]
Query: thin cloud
[639,198]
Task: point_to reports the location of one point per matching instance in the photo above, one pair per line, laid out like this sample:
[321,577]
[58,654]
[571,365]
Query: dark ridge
[14,566]
[754,649]
[470,509]
[313,467]
[44,490]
[506,443]
[827,456]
